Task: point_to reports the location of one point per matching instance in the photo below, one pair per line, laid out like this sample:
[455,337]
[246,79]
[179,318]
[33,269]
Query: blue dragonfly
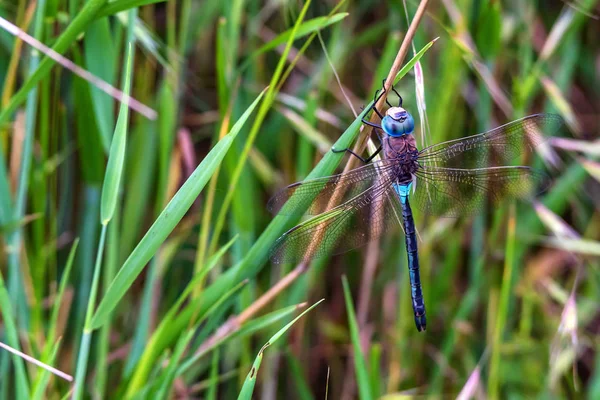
[449,179]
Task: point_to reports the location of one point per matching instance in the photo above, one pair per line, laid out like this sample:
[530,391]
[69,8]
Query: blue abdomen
[410,236]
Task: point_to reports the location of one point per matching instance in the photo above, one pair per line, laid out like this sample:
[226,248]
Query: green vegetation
[135,253]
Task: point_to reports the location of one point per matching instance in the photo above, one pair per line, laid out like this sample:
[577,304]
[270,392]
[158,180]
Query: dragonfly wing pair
[453,178]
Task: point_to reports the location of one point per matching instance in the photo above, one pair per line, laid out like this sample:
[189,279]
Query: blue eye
[404,125]
[408,124]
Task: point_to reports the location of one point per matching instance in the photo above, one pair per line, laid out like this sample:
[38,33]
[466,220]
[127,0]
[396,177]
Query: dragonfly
[449,179]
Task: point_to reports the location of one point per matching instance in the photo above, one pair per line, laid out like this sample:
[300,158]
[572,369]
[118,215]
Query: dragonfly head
[398,122]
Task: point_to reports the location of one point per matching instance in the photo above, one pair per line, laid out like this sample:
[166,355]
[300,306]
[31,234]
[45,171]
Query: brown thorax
[401,146]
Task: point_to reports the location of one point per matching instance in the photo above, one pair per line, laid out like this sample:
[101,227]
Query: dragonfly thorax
[403,149]
[398,122]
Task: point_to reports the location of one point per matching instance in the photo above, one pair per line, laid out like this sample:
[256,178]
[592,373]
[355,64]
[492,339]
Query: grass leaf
[360,365]
[248,387]
[166,222]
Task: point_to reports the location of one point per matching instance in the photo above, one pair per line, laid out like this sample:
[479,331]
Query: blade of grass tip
[166,222]
[561,103]
[116,158]
[109,196]
[580,246]
[592,168]
[327,384]
[553,222]
[250,381]
[360,365]
[237,329]
[261,115]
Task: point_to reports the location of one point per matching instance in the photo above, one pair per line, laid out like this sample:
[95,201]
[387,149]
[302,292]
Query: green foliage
[136,251]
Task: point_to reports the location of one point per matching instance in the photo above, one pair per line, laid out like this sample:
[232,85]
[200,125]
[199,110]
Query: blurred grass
[181,308]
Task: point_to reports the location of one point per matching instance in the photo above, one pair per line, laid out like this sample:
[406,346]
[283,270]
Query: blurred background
[184,310]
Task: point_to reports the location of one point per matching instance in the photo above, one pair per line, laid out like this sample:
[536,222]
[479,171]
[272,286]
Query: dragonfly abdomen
[413,256]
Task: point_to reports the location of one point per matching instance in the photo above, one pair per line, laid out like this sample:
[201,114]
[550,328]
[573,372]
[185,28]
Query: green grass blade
[108,202]
[360,365]
[503,308]
[250,382]
[146,364]
[116,157]
[86,338]
[306,28]
[166,222]
[246,330]
[165,387]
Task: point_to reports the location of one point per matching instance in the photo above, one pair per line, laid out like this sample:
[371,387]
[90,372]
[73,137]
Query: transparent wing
[494,148]
[316,196]
[343,228]
[453,192]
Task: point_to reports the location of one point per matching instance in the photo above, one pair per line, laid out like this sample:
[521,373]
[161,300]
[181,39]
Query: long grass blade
[166,222]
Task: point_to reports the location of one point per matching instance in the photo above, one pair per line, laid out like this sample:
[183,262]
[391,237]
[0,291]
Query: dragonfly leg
[367,122]
[365,160]
[372,156]
[399,97]
[376,99]
[397,94]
